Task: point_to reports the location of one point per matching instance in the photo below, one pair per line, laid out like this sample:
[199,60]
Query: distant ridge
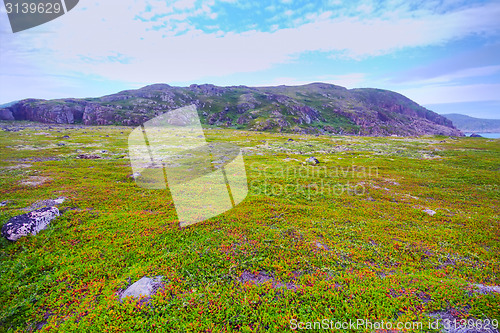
[471,124]
[6,105]
[313,108]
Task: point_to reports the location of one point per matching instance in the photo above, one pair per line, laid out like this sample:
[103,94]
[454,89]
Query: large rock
[30,223]
[145,287]
[6,115]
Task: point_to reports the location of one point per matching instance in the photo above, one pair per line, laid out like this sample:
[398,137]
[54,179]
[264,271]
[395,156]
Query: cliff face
[313,108]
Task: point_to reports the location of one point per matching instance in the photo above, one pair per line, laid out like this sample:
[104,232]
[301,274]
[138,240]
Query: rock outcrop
[6,114]
[29,224]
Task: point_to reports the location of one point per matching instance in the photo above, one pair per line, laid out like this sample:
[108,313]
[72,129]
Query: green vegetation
[346,239]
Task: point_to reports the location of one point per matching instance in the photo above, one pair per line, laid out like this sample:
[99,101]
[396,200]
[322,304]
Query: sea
[486,135]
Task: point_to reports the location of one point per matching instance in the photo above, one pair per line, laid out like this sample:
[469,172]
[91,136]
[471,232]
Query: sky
[443,54]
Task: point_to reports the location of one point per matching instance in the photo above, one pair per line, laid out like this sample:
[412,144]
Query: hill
[7,104]
[471,124]
[313,108]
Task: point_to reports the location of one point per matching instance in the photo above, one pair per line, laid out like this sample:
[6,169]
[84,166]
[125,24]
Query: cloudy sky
[442,54]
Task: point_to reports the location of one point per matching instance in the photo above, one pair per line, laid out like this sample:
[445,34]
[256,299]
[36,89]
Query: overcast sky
[443,54]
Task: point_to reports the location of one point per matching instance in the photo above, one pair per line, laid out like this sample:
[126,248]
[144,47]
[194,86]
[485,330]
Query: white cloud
[271,8]
[460,74]
[107,29]
[287,81]
[184,4]
[441,94]
[197,54]
[352,80]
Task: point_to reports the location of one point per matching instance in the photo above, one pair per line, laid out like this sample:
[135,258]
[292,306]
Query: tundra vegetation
[400,229]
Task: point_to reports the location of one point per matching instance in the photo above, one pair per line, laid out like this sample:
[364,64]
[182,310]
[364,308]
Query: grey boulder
[30,223]
[312,160]
[145,287]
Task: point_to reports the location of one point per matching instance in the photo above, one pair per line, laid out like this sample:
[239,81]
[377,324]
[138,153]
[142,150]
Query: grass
[347,239]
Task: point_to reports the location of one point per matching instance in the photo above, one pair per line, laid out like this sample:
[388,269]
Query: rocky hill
[471,124]
[313,108]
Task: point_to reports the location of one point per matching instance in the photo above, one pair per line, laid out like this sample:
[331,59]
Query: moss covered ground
[347,239]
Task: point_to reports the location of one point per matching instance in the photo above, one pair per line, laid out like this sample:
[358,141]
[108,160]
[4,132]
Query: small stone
[135,175]
[312,160]
[429,211]
[144,287]
[88,157]
[59,201]
[66,137]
